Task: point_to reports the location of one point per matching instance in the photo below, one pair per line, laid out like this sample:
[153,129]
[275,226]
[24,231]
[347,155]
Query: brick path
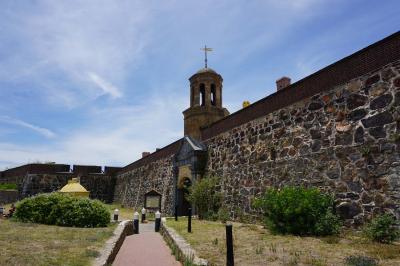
[145,249]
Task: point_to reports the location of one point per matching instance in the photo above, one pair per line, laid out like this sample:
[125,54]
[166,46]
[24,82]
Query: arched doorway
[189,164]
[183,204]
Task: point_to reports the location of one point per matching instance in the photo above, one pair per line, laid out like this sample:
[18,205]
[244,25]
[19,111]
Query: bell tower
[205,102]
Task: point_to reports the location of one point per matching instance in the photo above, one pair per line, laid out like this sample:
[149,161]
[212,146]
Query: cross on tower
[206,49]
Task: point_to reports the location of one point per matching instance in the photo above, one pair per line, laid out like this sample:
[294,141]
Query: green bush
[8,186]
[299,211]
[382,229]
[204,196]
[64,210]
[223,214]
[328,224]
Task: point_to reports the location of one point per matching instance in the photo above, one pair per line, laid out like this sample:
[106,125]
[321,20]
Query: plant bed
[35,244]
[255,245]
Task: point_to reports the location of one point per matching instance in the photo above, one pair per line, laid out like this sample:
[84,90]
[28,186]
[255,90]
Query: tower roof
[206,70]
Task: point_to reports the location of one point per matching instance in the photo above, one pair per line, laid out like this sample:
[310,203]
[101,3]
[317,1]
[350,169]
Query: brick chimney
[145,153]
[282,83]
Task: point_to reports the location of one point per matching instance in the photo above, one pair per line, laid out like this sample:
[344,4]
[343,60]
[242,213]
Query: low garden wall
[112,246]
[181,249]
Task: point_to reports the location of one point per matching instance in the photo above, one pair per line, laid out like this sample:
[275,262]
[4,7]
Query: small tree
[204,196]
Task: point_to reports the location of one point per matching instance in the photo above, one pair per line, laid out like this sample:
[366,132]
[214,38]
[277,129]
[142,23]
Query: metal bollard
[158,221]
[229,246]
[116,214]
[143,215]
[136,223]
[190,220]
[176,212]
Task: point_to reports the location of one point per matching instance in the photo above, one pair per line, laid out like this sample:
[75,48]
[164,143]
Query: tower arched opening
[202,94]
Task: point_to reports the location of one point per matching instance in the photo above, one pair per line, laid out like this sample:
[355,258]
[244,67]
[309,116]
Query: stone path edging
[179,245]
[112,246]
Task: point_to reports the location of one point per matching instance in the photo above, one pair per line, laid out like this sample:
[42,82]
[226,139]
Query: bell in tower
[205,102]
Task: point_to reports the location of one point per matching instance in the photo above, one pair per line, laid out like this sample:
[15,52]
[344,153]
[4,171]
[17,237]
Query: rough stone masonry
[345,141]
[337,129]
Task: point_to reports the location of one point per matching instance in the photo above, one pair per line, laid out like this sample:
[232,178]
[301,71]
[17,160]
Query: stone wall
[100,186]
[134,183]
[44,178]
[8,196]
[17,174]
[345,140]
[32,184]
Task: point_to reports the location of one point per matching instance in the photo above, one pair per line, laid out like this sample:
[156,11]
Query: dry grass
[124,213]
[127,213]
[34,244]
[254,245]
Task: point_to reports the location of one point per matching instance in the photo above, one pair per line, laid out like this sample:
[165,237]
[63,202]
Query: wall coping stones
[112,245]
[185,251]
[50,168]
[157,155]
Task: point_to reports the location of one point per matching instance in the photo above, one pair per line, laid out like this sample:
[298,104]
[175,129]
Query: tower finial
[206,49]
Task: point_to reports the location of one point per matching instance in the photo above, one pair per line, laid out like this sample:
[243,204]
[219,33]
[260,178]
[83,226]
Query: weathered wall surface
[100,186]
[32,184]
[8,196]
[156,175]
[44,178]
[345,140]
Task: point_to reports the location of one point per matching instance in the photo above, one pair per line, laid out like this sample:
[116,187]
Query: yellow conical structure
[245,104]
[73,188]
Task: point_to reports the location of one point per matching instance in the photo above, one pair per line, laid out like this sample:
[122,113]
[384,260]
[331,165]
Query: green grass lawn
[34,244]
[37,244]
[254,245]
[8,186]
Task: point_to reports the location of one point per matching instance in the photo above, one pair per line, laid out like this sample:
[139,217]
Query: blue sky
[98,82]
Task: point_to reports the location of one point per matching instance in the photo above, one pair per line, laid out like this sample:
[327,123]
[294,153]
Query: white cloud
[71,51]
[105,86]
[116,136]
[69,39]
[41,130]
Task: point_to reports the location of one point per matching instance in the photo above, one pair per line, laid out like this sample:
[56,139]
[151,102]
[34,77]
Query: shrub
[204,196]
[328,224]
[382,229]
[223,214]
[64,210]
[299,211]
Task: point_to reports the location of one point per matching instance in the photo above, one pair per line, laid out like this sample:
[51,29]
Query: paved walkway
[145,249]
